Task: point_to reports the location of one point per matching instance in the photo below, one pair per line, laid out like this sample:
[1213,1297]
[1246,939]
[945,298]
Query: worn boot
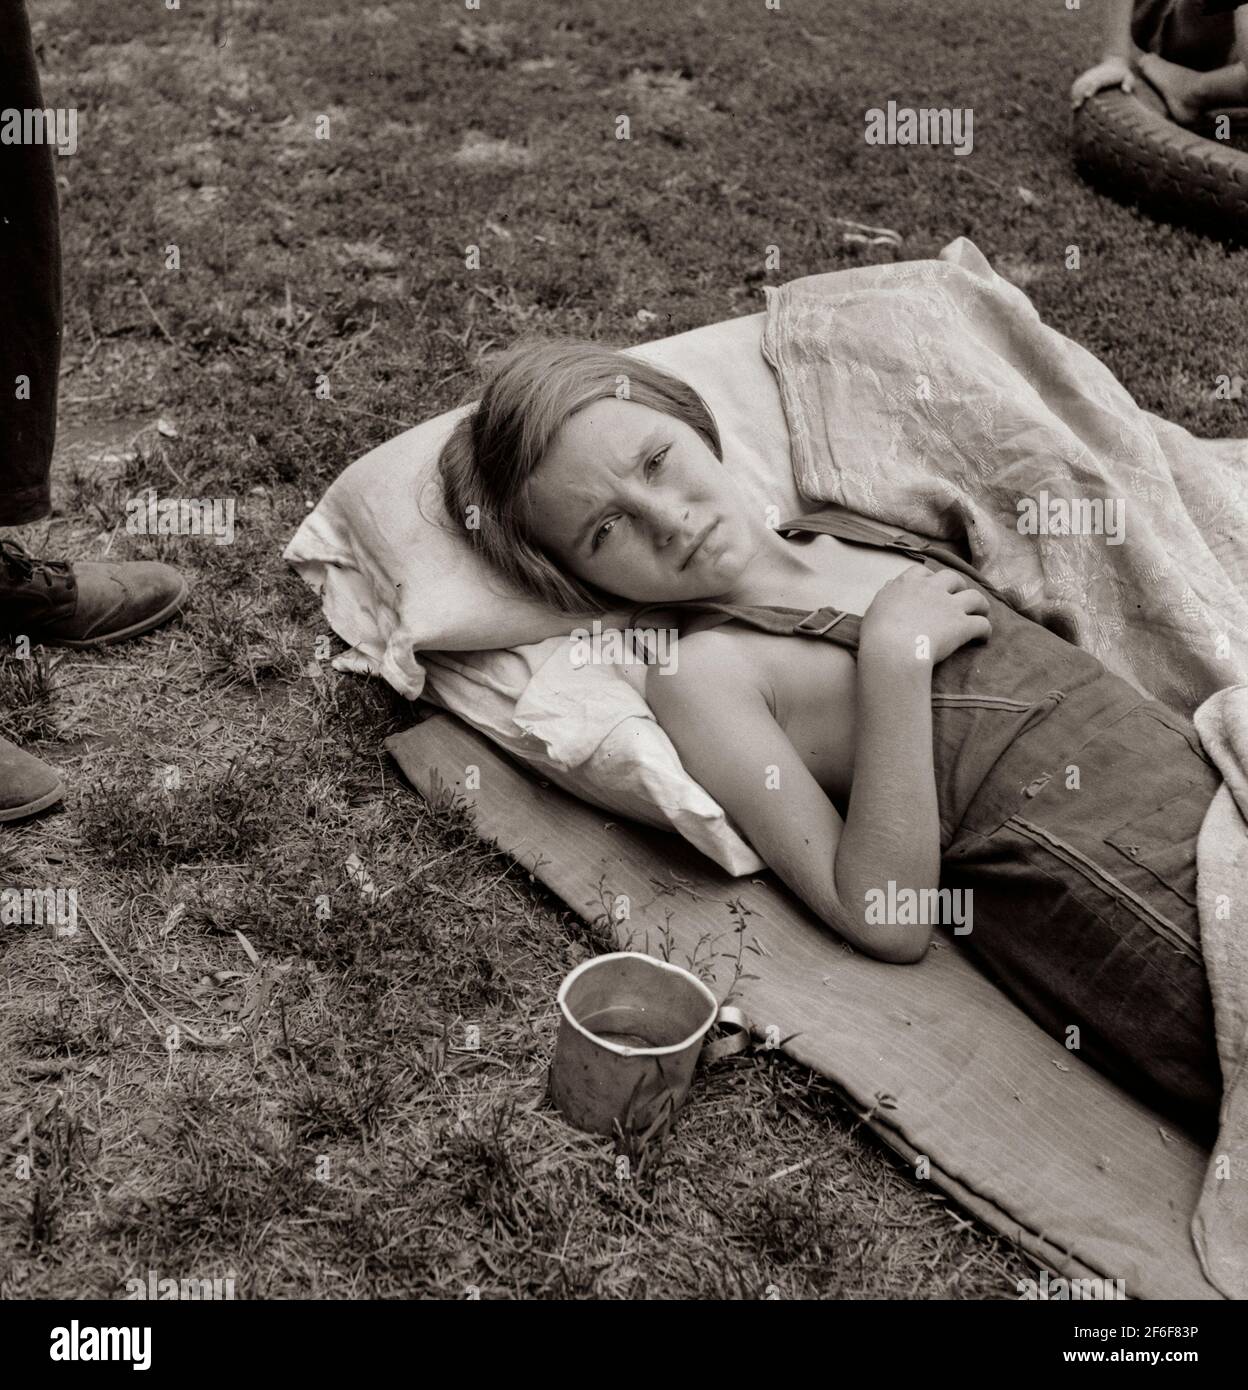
[88,603]
[27,785]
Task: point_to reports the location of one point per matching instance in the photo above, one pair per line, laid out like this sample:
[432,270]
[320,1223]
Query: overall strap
[832,624]
[838,521]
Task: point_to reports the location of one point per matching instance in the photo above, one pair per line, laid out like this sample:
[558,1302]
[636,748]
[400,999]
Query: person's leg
[46,601]
[1192,59]
[1084,907]
[30,351]
[1150,21]
[1188,94]
[30,289]
[1198,40]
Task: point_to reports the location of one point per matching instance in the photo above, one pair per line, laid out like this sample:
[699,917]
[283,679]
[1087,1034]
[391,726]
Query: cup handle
[729,1016]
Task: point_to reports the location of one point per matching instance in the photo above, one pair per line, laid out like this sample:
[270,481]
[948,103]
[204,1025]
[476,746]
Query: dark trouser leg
[1180,31]
[30,289]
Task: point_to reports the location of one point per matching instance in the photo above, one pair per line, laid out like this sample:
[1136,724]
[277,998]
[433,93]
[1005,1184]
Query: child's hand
[1111,72]
[927,614]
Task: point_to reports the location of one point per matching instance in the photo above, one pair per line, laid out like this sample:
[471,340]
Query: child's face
[624,494]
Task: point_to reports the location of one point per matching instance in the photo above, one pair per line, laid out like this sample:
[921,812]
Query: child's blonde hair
[487,462]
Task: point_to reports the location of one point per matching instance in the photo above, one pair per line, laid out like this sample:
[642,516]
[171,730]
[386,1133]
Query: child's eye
[652,466]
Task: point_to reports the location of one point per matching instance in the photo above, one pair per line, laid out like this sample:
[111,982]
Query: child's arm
[716,714]
[1116,30]
[1114,69]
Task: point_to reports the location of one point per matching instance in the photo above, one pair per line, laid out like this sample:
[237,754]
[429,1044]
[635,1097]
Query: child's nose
[663,519]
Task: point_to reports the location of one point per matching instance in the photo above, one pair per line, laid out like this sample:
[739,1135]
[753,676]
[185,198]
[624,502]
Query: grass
[245,1063]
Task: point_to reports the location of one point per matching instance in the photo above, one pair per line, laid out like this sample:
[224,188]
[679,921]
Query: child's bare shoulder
[710,663]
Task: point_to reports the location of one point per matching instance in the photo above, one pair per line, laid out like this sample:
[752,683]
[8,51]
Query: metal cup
[630,1031]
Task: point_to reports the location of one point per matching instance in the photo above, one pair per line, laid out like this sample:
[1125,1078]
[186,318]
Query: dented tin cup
[630,1031]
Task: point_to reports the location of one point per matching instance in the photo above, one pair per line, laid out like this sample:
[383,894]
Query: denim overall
[1070,806]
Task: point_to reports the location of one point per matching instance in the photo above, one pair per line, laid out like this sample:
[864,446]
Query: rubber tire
[1132,152]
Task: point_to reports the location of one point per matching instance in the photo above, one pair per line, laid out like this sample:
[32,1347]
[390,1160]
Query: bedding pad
[941,1065]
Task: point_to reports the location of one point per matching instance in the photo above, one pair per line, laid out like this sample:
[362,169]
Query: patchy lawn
[319,1128]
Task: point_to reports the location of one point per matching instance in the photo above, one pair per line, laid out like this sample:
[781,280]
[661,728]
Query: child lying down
[923,734]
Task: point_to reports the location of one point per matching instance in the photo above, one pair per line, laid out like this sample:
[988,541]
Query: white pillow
[397,578]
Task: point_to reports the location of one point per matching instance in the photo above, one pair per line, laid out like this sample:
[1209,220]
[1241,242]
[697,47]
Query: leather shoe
[27,786]
[88,603]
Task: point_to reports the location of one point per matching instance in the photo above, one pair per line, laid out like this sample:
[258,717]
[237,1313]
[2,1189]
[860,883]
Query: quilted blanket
[931,395]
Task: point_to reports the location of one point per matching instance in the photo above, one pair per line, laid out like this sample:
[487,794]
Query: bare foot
[1179,86]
